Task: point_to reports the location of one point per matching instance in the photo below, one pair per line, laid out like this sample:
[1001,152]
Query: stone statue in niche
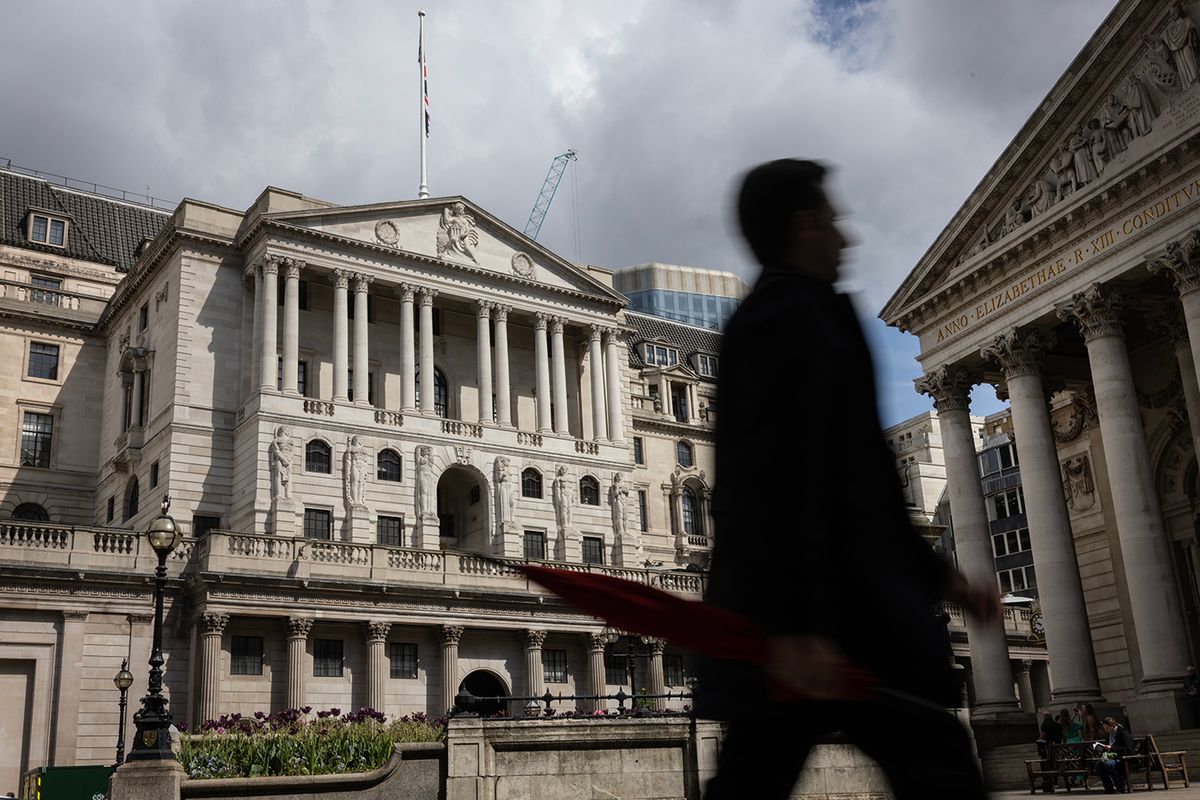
[1039,197]
[1077,483]
[356,463]
[1063,165]
[618,500]
[457,235]
[506,496]
[281,453]
[1179,35]
[1085,170]
[562,495]
[426,486]
[1139,105]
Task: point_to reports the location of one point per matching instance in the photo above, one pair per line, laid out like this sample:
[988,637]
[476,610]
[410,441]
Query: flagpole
[423,189]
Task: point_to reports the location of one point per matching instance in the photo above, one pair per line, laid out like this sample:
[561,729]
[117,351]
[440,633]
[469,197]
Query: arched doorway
[482,683]
[463,509]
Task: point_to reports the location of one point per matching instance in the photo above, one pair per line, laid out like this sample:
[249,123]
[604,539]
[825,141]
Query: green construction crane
[557,167]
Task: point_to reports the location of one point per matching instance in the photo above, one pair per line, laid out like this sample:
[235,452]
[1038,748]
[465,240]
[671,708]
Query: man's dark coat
[812,533]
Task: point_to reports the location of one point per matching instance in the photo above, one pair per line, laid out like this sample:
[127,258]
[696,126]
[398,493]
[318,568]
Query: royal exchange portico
[1068,281]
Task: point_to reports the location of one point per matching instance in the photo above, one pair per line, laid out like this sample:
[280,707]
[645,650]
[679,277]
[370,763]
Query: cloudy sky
[667,101]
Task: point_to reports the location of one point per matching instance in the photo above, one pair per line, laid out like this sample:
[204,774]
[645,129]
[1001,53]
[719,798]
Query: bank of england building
[360,414]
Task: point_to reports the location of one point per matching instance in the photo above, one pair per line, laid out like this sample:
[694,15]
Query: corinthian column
[616,402]
[291,326]
[950,388]
[269,354]
[1170,321]
[1181,262]
[596,378]
[341,334]
[212,626]
[483,358]
[298,629]
[657,683]
[595,673]
[255,275]
[451,635]
[408,351]
[558,353]
[542,370]
[427,375]
[503,407]
[362,367]
[535,679]
[377,663]
[1073,677]
[1158,619]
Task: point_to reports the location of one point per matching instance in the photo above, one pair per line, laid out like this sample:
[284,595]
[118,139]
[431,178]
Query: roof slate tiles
[688,338]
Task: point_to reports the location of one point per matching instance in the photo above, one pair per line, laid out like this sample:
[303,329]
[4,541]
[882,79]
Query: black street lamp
[122,680]
[614,635]
[152,741]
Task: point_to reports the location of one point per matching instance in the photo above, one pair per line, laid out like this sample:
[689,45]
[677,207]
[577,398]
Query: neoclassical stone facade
[1068,280]
[348,407]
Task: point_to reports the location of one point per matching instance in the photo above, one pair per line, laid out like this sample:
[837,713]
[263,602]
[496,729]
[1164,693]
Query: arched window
[32,512]
[132,499]
[388,462]
[531,483]
[441,394]
[683,453]
[317,457]
[589,491]
[690,511]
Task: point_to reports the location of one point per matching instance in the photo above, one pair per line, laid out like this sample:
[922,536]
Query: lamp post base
[146,780]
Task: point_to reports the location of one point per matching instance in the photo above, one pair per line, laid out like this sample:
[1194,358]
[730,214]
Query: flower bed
[289,742]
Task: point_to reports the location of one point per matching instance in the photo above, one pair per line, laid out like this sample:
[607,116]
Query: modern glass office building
[705,298]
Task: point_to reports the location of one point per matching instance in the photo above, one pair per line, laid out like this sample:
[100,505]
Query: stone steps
[1004,767]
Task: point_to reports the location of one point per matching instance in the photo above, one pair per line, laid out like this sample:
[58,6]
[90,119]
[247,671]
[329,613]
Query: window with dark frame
[402,659]
[690,511]
[531,483]
[535,545]
[133,500]
[111,510]
[153,474]
[327,658]
[589,491]
[31,512]
[642,516]
[246,655]
[683,453]
[37,437]
[593,550]
[476,495]
[203,523]
[45,291]
[144,317]
[388,465]
[673,670]
[616,672]
[318,457]
[390,531]
[318,523]
[441,396]
[43,361]
[639,453]
[45,229]
[554,665]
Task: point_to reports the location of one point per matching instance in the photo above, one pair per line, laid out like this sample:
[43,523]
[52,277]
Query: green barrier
[66,783]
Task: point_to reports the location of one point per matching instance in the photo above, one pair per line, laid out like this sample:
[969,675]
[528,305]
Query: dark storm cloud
[667,101]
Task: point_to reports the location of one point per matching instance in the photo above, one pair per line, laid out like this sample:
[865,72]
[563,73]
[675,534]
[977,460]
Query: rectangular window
[318,523]
[535,545]
[58,232]
[43,361]
[246,655]
[673,670]
[144,317]
[706,366]
[37,434]
[111,510]
[593,550]
[615,672]
[203,523]
[1006,456]
[639,454]
[45,290]
[390,531]
[302,378]
[402,658]
[327,658]
[642,516]
[154,475]
[554,665]
[47,230]
[989,462]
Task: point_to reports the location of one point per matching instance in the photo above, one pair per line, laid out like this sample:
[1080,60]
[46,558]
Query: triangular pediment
[1121,104]
[455,232]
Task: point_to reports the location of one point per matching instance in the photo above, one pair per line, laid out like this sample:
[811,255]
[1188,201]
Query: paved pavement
[1177,793]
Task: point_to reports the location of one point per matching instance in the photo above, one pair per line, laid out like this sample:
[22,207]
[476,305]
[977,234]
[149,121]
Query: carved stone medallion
[387,233]
[522,265]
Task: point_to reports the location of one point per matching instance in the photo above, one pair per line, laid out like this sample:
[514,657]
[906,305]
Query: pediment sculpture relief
[1077,483]
[458,235]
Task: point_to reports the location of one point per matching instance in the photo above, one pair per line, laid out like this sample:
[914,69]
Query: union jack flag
[424,82]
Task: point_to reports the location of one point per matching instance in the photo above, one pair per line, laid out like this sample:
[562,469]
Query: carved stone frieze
[949,387]
[1078,487]
[522,265]
[1168,320]
[387,233]
[1163,397]
[457,235]
[1096,310]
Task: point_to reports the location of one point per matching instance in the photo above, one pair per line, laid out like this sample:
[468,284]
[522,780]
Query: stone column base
[146,780]
[1162,713]
[358,525]
[283,517]
[426,534]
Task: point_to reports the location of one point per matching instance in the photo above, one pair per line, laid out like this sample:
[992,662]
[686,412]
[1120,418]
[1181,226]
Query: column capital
[596,642]
[1017,351]
[1168,319]
[427,295]
[484,308]
[270,265]
[406,292]
[595,332]
[213,622]
[1096,310]
[556,326]
[501,311]
[1026,665]
[74,614]
[377,630]
[612,334]
[533,639]
[1181,262]
[948,386]
[139,619]
[656,645]
[292,267]
[540,318]
[362,281]
[451,634]
[299,627]
[341,279]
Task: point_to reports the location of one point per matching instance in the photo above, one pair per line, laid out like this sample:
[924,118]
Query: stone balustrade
[85,549]
[50,300]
